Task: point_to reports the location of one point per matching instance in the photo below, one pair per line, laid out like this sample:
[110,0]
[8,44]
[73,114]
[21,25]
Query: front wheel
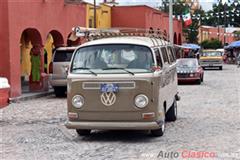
[199,81]
[159,132]
[202,78]
[83,132]
[172,112]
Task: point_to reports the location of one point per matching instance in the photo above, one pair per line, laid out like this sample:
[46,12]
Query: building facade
[223,34]
[28,31]
[103,16]
[31,29]
[142,16]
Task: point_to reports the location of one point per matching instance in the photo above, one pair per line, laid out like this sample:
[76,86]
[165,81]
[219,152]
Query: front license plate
[109,87]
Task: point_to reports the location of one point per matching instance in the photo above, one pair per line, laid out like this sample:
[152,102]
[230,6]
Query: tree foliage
[180,6]
[211,44]
[223,14]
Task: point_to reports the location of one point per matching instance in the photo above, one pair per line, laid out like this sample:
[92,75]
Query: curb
[30,96]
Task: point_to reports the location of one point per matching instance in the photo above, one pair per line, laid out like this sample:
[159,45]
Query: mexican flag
[187,18]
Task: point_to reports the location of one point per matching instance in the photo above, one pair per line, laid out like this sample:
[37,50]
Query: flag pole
[171,21]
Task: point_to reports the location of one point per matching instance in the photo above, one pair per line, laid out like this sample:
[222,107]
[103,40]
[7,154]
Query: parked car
[122,83]
[189,70]
[58,69]
[211,58]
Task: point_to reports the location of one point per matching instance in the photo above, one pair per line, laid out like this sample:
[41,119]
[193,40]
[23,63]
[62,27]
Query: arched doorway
[31,60]
[175,38]
[165,34]
[179,39]
[54,40]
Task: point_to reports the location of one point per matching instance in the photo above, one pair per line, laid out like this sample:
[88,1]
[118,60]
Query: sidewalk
[31,95]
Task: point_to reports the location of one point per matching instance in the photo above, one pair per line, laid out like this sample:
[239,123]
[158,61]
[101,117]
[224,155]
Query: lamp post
[171,21]
[95,14]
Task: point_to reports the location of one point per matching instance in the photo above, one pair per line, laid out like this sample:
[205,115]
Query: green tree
[179,6]
[237,35]
[211,44]
[223,14]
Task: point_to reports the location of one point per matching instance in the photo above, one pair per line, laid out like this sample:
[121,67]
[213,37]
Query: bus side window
[174,53]
[158,57]
[170,53]
[164,54]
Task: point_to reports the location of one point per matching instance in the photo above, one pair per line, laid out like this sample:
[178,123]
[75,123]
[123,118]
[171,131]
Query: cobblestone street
[208,121]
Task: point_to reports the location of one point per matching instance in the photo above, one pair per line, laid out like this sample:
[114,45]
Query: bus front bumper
[114,125]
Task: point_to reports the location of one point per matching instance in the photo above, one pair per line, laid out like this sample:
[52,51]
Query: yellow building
[103,16]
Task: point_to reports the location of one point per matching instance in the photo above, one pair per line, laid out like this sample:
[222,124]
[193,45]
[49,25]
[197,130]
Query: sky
[206,4]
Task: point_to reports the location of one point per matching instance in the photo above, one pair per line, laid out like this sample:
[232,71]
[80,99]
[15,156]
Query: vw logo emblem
[108,98]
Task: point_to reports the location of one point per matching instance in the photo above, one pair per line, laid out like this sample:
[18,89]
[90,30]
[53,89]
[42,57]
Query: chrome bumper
[113,125]
[211,65]
[58,82]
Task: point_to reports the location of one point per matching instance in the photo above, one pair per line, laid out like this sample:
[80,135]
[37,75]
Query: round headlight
[77,101]
[141,101]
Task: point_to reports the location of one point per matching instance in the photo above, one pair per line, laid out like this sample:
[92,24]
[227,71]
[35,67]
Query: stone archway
[54,40]
[57,38]
[175,38]
[31,60]
[179,39]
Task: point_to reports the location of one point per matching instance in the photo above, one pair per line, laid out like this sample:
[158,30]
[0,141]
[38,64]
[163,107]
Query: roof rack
[156,36]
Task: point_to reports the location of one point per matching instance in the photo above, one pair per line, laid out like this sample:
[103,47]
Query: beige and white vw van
[122,83]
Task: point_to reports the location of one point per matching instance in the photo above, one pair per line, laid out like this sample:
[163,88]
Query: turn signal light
[72,115]
[148,115]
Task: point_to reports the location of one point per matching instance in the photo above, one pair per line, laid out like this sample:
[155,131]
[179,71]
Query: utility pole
[171,21]
[225,18]
[219,19]
[95,14]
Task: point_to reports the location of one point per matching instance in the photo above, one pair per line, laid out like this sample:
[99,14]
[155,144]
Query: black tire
[220,68]
[172,112]
[59,91]
[199,81]
[159,132]
[83,132]
[202,78]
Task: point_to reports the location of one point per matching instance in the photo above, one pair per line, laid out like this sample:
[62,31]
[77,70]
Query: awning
[235,44]
[190,46]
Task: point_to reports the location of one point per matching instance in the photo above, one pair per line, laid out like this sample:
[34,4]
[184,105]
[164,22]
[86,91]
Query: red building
[210,32]
[142,16]
[31,21]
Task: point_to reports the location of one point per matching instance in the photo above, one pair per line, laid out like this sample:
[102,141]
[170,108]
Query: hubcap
[163,127]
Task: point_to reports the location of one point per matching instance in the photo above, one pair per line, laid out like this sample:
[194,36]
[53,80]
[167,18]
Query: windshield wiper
[110,68]
[85,68]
